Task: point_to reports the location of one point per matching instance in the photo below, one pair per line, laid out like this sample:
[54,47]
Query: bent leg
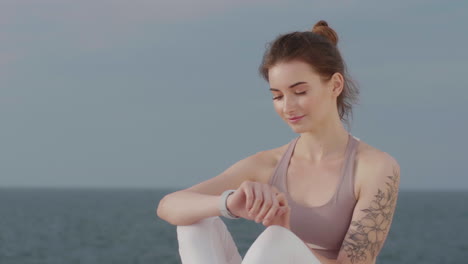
[278,245]
[207,241]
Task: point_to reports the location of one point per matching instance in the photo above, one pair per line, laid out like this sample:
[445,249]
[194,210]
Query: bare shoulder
[256,167]
[268,160]
[372,162]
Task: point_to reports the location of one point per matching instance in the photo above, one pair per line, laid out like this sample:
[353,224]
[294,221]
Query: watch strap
[223,205]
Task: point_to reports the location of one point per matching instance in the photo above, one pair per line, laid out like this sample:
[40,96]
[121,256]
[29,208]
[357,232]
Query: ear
[337,84]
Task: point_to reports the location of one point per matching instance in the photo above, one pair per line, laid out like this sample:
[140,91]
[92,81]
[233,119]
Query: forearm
[186,207]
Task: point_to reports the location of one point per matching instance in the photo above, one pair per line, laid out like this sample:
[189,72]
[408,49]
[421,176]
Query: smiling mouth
[295,118]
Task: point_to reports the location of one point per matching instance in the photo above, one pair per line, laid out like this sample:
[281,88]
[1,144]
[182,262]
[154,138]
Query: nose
[289,106]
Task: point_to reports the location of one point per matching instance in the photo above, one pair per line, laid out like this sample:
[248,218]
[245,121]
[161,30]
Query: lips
[295,118]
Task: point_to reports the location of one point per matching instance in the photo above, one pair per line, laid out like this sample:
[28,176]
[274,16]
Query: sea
[100,226]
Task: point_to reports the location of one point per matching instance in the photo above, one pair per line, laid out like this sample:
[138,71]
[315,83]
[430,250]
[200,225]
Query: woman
[325,196]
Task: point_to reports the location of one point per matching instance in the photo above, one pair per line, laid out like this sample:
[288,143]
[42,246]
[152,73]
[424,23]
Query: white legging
[208,241]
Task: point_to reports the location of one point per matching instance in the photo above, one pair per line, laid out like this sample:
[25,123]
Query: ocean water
[120,226]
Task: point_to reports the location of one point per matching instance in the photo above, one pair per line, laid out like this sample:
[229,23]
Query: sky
[152,94]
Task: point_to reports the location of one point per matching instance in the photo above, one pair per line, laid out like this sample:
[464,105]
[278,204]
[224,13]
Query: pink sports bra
[324,225]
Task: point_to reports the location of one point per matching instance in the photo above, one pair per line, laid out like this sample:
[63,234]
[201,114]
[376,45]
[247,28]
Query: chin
[298,129]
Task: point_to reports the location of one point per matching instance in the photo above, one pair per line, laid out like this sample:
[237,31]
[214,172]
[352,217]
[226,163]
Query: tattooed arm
[373,212]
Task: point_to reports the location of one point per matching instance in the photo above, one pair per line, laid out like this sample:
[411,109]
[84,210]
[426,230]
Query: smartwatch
[223,205]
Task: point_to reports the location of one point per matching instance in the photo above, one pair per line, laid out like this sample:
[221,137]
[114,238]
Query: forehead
[283,74]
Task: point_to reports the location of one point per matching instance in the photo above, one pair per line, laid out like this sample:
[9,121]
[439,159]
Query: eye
[278,97]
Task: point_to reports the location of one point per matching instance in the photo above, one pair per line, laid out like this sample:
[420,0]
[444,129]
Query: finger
[257,201]
[282,199]
[282,210]
[249,196]
[267,203]
[274,189]
[283,203]
[273,210]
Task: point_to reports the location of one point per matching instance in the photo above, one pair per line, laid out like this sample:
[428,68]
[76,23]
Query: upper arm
[247,169]
[373,212]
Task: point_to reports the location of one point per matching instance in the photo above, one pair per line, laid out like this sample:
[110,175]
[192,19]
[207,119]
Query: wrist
[223,205]
[228,202]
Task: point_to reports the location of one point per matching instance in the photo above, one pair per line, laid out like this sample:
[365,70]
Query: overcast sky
[107,93]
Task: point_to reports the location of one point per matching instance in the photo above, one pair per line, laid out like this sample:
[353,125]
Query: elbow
[168,212]
[164,213]
[160,210]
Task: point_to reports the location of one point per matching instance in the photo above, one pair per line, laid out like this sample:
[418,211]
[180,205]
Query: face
[297,91]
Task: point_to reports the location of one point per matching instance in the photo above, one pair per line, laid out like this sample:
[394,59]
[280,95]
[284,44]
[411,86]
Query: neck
[319,145]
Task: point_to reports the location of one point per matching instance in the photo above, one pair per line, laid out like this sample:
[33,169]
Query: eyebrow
[291,86]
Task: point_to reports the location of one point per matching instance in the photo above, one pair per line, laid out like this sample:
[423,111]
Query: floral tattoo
[369,232]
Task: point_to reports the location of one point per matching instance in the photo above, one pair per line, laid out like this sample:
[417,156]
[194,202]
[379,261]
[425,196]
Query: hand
[283,218]
[259,202]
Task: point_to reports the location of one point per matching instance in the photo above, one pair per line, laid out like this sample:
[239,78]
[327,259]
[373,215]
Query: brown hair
[318,48]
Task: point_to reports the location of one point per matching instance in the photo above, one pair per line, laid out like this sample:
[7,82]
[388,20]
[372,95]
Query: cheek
[309,104]
[278,108]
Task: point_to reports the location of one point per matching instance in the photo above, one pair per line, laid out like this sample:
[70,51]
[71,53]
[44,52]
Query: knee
[271,246]
[275,233]
[272,236]
[199,228]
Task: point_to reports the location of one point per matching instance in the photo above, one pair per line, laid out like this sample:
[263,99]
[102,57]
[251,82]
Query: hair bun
[322,28]
[321,23]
